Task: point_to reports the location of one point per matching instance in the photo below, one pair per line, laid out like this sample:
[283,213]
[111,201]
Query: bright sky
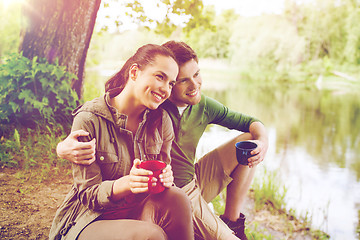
[242,7]
[6,3]
[248,7]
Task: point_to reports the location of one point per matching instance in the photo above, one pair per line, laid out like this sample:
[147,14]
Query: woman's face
[153,84]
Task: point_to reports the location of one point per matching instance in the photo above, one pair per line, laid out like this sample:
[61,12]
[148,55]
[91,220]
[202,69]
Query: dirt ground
[27,208]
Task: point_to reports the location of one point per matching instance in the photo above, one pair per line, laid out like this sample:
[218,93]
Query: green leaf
[17,137]
[25,94]
[45,100]
[35,87]
[14,107]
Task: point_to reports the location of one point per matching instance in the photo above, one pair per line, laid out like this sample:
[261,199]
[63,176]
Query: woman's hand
[139,177]
[167,178]
[137,181]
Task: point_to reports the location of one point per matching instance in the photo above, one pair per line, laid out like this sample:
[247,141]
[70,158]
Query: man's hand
[258,131]
[77,152]
[259,153]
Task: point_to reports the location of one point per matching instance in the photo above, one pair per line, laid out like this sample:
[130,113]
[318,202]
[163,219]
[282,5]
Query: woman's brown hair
[144,55]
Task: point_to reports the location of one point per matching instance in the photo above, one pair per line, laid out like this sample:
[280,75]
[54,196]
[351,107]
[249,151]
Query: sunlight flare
[7,3]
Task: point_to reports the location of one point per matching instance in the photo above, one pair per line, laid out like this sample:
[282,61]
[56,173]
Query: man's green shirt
[189,128]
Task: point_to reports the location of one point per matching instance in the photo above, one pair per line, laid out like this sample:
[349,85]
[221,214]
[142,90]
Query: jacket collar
[101,107]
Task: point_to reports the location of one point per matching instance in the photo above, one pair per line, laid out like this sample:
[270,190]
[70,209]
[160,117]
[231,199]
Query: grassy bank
[32,151]
[268,217]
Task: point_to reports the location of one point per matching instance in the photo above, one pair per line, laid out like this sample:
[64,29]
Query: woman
[109,198]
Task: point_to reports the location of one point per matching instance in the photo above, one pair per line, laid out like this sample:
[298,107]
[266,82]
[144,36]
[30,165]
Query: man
[191,112]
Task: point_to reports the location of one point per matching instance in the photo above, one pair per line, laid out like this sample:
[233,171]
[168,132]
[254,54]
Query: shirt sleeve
[93,192]
[218,113]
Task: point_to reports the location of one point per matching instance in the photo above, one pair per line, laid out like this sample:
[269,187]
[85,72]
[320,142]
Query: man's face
[187,90]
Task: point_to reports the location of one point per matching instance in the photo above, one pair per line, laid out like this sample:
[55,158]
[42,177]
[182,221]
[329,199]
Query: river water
[314,147]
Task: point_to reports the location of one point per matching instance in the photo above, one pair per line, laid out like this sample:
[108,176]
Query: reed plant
[268,194]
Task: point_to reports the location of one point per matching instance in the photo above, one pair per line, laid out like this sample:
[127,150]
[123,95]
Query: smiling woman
[110,195]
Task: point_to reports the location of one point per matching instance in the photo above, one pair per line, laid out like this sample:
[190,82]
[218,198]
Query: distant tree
[190,10]
[352,49]
[210,38]
[328,25]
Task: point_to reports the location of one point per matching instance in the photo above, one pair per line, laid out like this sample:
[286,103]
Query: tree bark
[60,29]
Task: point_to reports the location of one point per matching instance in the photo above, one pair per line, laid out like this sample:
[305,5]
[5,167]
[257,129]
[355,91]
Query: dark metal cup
[243,150]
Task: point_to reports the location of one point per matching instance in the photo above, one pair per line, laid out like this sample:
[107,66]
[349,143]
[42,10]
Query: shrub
[33,91]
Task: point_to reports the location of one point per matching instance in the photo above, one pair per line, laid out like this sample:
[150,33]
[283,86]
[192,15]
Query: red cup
[156,167]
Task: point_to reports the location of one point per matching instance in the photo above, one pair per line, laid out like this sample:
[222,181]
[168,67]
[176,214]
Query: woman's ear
[133,72]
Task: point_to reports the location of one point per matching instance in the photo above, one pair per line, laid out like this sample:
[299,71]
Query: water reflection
[315,146]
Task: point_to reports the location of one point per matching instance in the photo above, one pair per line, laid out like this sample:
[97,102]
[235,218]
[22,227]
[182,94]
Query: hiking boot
[238,227]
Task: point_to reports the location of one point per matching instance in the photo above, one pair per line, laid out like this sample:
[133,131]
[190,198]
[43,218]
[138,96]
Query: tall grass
[32,152]
[269,192]
[269,195]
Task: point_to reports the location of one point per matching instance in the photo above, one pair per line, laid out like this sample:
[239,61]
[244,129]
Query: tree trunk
[60,29]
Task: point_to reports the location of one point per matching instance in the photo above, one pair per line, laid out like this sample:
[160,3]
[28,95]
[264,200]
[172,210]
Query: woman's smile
[158,96]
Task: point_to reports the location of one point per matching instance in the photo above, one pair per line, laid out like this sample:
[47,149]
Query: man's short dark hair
[183,52]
